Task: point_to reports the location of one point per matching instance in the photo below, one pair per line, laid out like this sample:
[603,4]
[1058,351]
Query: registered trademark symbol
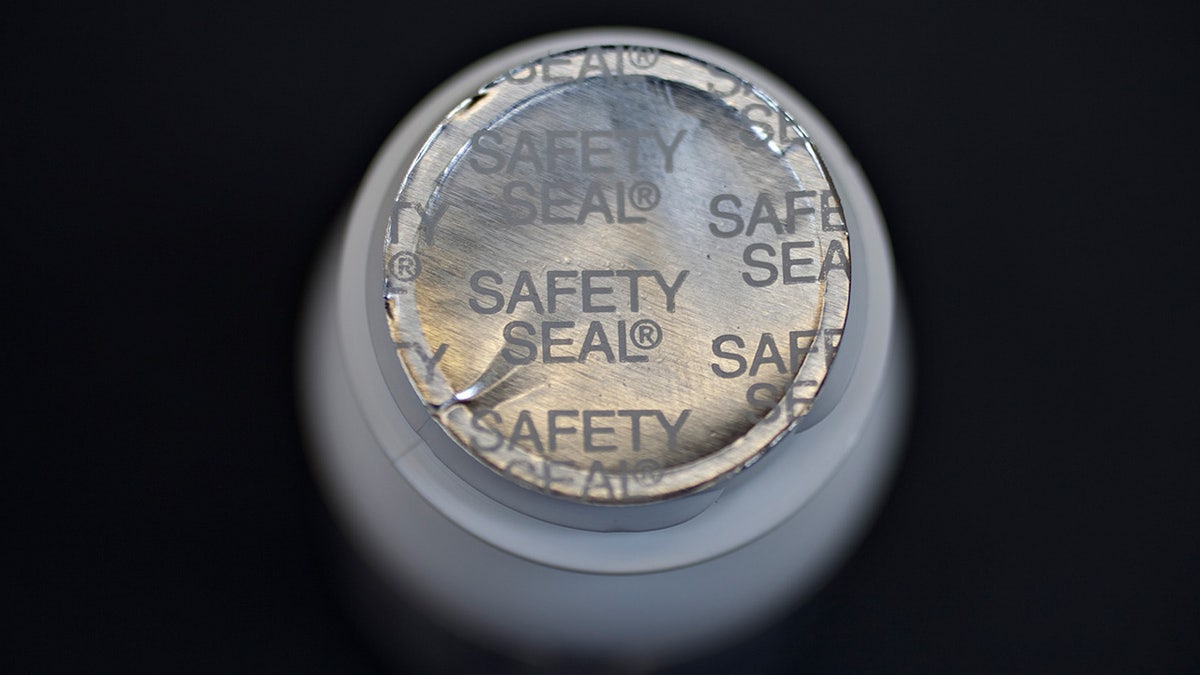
[404,266]
[645,334]
[643,57]
[644,195]
[647,472]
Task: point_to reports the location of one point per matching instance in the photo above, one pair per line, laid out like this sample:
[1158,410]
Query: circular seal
[617,275]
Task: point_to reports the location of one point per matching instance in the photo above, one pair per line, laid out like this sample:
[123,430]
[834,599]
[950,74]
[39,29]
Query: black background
[169,172]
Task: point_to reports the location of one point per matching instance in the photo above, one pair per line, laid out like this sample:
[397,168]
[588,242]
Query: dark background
[169,171]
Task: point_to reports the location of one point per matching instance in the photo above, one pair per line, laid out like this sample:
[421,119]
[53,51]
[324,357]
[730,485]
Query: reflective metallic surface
[617,274]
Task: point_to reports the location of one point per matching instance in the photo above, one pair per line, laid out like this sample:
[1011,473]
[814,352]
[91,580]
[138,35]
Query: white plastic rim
[779,525]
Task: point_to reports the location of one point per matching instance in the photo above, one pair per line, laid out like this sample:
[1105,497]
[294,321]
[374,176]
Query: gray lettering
[587,151]
[670,291]
[672,429]
[552,422]
[589,290]
[635,417]
[669,150]
[590,430]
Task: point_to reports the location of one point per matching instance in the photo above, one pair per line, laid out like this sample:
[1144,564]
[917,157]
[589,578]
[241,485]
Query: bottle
[608,359]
